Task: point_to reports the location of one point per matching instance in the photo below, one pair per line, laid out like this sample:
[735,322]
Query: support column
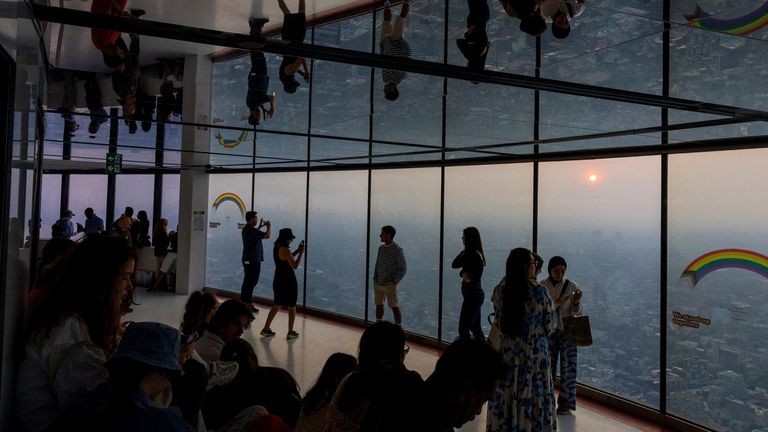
[193,197]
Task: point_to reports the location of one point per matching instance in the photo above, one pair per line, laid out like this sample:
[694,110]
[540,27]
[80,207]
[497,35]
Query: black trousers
[469,317]
[250,279]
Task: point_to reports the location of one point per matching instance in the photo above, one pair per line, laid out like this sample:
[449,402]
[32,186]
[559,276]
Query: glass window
[714,66]
[602,216]
[137,148]
[340,92]
[54,133]
[498,201]
[336,241]
[88,190]
[336,151]
[231,148]
[415,117]
[481,114]
[565,115]
[511,50]
[281,199]
[229,197]
[171,191]
[172,144]
[415,214]
[50,203]
[612,46]
[717,288]
[137,191]
[277,150]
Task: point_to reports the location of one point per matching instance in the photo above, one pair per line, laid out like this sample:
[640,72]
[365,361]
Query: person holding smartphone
[284,284]
[253,255]
[566,300]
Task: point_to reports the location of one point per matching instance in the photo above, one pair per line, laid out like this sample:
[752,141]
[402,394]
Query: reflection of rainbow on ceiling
[229,196]
[228,143]
[726,258]
[740,26]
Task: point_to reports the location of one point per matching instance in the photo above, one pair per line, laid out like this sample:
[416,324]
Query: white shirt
[566,309]
[58,374]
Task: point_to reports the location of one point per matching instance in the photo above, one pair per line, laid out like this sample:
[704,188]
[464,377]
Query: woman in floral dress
[525,399]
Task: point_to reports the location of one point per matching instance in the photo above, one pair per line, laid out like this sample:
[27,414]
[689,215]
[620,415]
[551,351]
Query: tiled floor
[304,357]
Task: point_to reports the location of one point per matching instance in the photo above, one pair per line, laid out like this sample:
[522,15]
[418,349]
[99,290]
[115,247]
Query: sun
[592,178]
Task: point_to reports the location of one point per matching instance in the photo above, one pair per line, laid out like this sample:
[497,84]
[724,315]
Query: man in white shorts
[389,271]
[393,44]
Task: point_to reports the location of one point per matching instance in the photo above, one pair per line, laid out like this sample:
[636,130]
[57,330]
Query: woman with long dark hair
[471,262]
[72,331]
[314,411]
[284,284]
[140,230]
[525,399]
[200,308]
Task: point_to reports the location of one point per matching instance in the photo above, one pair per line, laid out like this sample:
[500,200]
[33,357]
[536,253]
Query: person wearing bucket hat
[566,300]
[139,372]
[284,284]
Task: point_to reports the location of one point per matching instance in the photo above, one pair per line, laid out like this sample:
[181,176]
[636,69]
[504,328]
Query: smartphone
[189,339]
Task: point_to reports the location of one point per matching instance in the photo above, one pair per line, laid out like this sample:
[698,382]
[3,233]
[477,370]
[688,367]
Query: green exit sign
[114,163]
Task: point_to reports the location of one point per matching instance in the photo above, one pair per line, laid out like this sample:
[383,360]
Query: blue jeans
[469,319]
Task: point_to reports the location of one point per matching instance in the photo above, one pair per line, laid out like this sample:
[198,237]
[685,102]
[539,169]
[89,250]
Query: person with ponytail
[525,399]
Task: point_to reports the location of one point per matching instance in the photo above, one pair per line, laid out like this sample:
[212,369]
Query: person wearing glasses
[525,398]
[73,328]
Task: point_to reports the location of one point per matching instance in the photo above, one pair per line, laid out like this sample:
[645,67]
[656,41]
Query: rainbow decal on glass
[740,26]
[229,196]
[228,143]
[726,258]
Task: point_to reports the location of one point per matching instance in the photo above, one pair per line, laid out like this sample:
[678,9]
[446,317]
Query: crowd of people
[85,367]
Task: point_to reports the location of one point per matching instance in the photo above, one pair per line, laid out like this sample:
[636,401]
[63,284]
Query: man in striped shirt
[393,44]
[389,271]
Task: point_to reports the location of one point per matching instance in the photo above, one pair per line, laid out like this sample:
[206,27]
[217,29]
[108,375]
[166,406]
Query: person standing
[475,45]
[471,262]
[525,398]
[258,80]
[284,284]
[294,30]
[64,228]
[389,271]
[94,225]
[566,299]
[253,255]
[393,44]
[160,241]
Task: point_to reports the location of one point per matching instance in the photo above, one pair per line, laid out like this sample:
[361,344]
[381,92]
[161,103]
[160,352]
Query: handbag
[577,330]
[494,336]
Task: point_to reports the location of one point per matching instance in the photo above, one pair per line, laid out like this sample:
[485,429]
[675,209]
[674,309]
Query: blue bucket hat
[151,343]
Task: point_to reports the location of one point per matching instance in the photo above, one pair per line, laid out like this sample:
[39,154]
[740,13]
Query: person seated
[273,388]
[140,372]
[465,378]
[381,395]
[229,322]
[72,330]
[314,410]
[198,312]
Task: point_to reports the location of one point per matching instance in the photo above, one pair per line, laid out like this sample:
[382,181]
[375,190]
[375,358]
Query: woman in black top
[140,230]
[294,31]
[284,285]
[471,261]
